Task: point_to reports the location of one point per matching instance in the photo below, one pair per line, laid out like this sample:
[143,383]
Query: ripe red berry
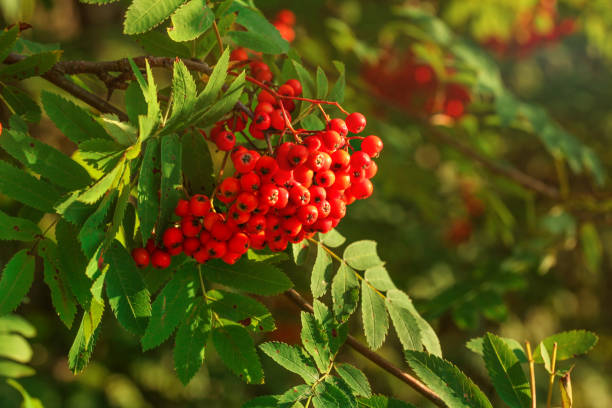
[245,161]
[190,245]
[313,143]
[338,125]
[172,237]
[246,202]
[340,160]
[268,194]
[362,188]
[249,182]
[372,145]
[262,121]
[215,249]
[325,178]
[319,161]
[286,90]
[239,243]
[360,160]
[317,194]
[296,85]
[160,259]
[239,54]
[256,224]
[286,17]
[338,208]
[324,208]
[332,140]
[355,122]
[308,214]
[236,216]
[221,231]
[225,141]
[303,175]
[199,205]
[201,255]
[283,198]
[265,96]
[210,220]
[299,195]
[291,226]
[297,155]
[190,226]
[141,257]
[264,107]
[182,208]
[277,120]
[343,180]
[231,258]
[266,165]
[371,170]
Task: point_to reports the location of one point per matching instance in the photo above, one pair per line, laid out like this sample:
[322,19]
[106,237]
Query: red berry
[324,208]
[256,224]
[291,226]
[246,202]
[245,161]
[338,208]
[150,247]
[239,54]
[190,245]
[313,143]
[199,205]
[338,125]
[182,208]
[317,194]
[355,122]
[277,120]
[160,259]
[286,90]
[172,237]
[303,175]
[221,231]
[262,121]
[215,249]
[141,257]
[225,141]
[239,243]
[210,220]
[236,216]
[264,107]
[265,96]
[201,255]
[297,155]
[283,198]
[308,214]
[360,160]
[318,161]
[325,178]
[296,85]
[249,182]
[343,180]
[190,226]
[231,258]
[371,170]
[266,165]
[372,145]
[228,190]
[268,194]
[332,140]
[286,17]
[362,189]
[299,195]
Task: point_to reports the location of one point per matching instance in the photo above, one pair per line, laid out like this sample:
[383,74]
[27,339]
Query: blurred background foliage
[476,251]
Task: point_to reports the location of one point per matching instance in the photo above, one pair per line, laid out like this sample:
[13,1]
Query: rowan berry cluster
[284,22]
[276,195]
[414,86]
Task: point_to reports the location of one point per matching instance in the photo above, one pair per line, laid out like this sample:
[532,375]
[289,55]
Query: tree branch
[383,363]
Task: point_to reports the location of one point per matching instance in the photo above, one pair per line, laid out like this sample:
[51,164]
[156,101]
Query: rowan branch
[383,363]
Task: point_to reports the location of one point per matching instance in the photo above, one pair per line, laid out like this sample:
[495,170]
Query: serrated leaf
[443,377]
[190,341]
[314,340]
[355,378]
[292,359]
[92,233]
[17,277]
[337,92]
[405,320]
[322,84]
[143,15]
[374,316]
[226,103]
[148,185]
[260,36]
[170,177]
[381,401]
[345,292]
[300,251]
[121,132]
[74,122]
[321,273]
[332,239]
[170,307]
[266,401]
[156,43]
[8,36]
[241,308]
[27,189]
[292,395]
[259,278]
[190,21]
[55,278]
[327,395]
[379,278]
[362,255]
[308,85]
[476,345]
[336,333]
[236,349]
[33,65]
[506,372]
[119,214]
[21,103]
[73,262]
[569,344]
[126,291]
[215,82]
[197,164]
[17,229]
[183,95]
[135,104]
[44,160]
[95,192]
[81,350]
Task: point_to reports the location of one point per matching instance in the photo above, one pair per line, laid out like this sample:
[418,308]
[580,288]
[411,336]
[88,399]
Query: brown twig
[511,173]
[383,363]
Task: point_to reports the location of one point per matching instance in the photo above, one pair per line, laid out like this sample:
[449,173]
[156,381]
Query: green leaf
[16,324]
[300,252]
[17,229]
[74,122]
[321,273]
[95,192]
[569,344]
[147,124]
[55,278]
[190,21]
[28,401]
[355,378]
[337,92]
[197,164]
[362,255]
[476,345]
[171,307]
[260,36]
[183,95]
[328,395]
[404,318]
[15,347]
[171,183]
[345,292]
[34,65]
[119,214]
[44,160]
[27,189]
[292,359]
[266,401]
[322,85]
[314,340]
[444,378]
[148,185]
[126,291]
[379,278]
[308,85]
[156,43]
[16,280]
[21,103]
[215,82]
[259,278]
[591,246]
[374,315]
[332,239]
[144,15]
[8,36]
[81,350]
[92,233]
[15,370]
[135,103]
[292,395]
[241,308]
[236,349]
[381,401]
[121,132]
[506,372]
[226,103]
[190,341]
[73,262]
